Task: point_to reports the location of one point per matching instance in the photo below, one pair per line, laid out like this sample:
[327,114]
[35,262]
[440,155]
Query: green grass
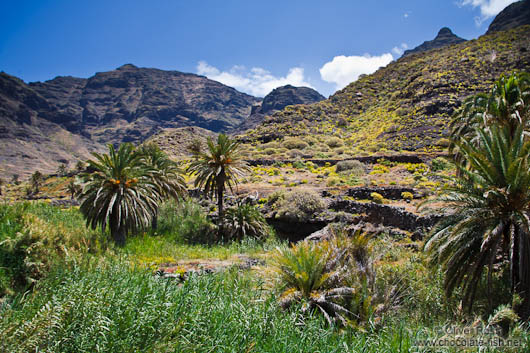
[93,298]
[110,308]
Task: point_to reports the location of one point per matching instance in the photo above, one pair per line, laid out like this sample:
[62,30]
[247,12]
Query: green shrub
[334,180]
[334,142]
[353,167]
[377,198]
[270,151]
[298,205]
[245,221]
[294,143]
[407,196]
[439,164]
[334,277]
[185,221]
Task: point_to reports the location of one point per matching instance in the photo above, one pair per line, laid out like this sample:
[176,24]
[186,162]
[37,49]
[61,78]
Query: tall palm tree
[490,207]
[218,167]
[120,193]
[165,173]
[36,181]
[73,189]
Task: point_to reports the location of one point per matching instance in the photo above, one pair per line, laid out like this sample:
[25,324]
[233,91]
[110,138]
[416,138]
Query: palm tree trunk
[117,230]
[220,194]
[154,222]
[521,273]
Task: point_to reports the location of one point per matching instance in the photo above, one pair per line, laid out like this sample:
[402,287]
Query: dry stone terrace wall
[388,216]
[400,158]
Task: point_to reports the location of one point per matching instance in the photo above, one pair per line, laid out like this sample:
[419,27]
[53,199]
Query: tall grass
[111,308]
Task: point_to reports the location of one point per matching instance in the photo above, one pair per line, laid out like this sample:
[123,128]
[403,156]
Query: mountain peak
[127,67]
[444,37]
[514,15]
[445,31]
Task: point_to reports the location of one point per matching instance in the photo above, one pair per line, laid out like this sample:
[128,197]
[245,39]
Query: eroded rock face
[64,119]
[514,15]
[388,216]
[444,37]
[278,99]
[130,104]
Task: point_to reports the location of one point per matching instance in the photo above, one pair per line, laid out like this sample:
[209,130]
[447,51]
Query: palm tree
[489,207]
[218,167]
[508,104]
[73,189]
[36,181]
[165,174]
[120,193]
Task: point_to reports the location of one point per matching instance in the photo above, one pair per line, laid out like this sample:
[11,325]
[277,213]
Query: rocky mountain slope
[43,124]
[514,15]
[131,103]
[278,99]
[404,106]
[444,38]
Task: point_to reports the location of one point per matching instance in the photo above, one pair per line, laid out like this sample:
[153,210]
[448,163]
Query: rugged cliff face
[129,104]
[515,15]
[278,99]
[444,38]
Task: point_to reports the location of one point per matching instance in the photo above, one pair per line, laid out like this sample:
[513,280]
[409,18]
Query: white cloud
[256,81]
[488,8]
[400,49]
[343,70]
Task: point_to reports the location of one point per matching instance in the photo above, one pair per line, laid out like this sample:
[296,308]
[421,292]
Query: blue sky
[251,45]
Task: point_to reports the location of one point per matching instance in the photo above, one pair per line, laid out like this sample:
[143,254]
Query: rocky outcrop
[62,120]
[444,38]
[278,99]
[388,216]
[514,15]
[130,104]
[398,158]
[388,192]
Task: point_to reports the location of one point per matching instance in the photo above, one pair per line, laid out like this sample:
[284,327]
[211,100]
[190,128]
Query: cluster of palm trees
[124,189]
[489,202]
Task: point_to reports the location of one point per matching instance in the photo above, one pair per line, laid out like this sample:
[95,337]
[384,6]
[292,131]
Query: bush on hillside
[353,167]
[186,221]
[294,143]
[298,205]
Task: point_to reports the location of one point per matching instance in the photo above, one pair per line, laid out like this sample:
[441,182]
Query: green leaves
[489,203]
[126,187]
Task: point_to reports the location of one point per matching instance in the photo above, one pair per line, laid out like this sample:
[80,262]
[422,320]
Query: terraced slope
[404,106]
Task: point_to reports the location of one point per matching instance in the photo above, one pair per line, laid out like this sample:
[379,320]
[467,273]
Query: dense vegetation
[156,270]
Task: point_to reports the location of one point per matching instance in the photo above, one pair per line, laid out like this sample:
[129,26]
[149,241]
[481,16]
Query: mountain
[278,99]
[175,141]
[514,15]
[130,104]
[43,124]
[444,37]
[406,105]
[30,142]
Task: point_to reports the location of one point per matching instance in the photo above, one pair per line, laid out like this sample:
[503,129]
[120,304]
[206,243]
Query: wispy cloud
[488,8]
[343,70]
[399,50]
[256,81]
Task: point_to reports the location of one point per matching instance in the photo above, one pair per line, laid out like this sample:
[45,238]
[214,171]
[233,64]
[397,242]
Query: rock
[388,216]
[444,38]
[514,15]
[388,192]
[278,99]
